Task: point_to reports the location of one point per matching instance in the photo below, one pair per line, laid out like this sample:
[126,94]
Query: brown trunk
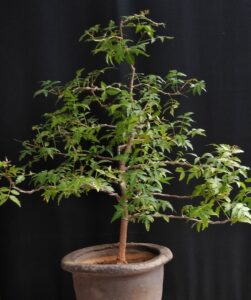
[121,259]
[122,241]
[122,167]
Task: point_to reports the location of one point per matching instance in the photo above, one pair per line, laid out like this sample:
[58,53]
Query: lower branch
[197,220]
[13,186]
[27,191]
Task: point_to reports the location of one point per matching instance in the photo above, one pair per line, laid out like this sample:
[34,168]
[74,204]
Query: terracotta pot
[96,276]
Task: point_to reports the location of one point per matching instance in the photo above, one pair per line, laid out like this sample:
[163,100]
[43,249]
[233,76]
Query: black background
[39,40]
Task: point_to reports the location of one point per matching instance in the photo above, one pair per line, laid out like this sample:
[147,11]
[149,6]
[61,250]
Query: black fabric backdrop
[39,40]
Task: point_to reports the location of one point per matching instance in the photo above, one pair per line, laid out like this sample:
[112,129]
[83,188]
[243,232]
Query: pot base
[146,286]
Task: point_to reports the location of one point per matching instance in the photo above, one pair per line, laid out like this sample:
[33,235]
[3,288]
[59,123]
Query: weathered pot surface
[96,275]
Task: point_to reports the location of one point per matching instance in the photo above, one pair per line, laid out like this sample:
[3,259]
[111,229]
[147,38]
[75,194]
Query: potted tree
[130,140]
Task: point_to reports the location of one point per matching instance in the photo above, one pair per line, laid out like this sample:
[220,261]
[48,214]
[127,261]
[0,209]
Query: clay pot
[96,276]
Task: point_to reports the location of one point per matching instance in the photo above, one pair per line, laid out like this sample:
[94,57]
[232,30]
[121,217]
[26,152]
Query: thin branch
[105,157]
[107,125]
[131,86]
[177,93]
[13,186]
[27,191]
[182,217]
[88,88]
[220,222]
[133,167]
[112,194]
[129,144]
[123,146]
[121,29]
[93,155]
[168,162]
[141,17]
[173,196]
[197,220]
[100,39]
[177,163]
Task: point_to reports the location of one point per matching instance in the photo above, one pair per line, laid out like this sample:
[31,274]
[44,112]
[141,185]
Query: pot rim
[71,263]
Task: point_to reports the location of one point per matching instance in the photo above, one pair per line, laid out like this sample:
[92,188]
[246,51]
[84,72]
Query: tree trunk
[122,241]
[122,167]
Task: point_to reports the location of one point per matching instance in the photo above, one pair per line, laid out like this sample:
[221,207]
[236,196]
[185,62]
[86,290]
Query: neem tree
[129,140]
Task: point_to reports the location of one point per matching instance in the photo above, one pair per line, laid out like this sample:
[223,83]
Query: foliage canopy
[130,139]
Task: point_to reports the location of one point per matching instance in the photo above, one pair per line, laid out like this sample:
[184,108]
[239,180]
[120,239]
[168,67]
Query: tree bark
[122,241]
[121,259]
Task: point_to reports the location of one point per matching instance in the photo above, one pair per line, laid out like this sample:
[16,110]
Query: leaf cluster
[10,177]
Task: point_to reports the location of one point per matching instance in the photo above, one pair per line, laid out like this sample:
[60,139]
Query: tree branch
[177,163]
[105,157]
[167,162]
[131,86]
[13,186]
[93,155]
[173,196]
[27,191]
[107,125]
[121,29]
[112,194]
[197,220]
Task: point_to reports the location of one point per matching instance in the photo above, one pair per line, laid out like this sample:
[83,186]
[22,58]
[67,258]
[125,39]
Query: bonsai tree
[130,140]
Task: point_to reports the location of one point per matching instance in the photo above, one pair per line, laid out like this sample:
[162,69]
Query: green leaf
[20,179]
[147,225]
[15,192]
[130,58]
[112,91]
[166,218]
[15,200]
[119,212]
[182,176]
